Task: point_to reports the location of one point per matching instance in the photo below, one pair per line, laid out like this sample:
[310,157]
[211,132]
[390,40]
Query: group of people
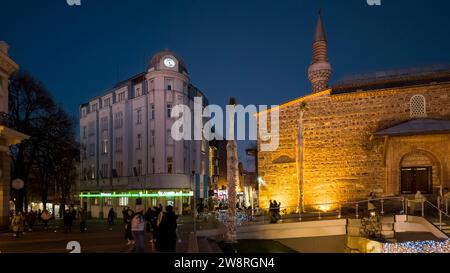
[274,211]
[161,224]
[21,222]
[71,215]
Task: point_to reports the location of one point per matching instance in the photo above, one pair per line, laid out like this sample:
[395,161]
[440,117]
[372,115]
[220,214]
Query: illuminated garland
[418,247]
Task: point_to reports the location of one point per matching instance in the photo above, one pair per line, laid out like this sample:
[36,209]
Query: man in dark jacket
[167,232]
[68,220]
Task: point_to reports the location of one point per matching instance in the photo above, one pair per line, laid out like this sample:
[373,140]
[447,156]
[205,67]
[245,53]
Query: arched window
[418,106]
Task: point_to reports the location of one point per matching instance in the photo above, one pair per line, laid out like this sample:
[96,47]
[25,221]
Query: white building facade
[127,151]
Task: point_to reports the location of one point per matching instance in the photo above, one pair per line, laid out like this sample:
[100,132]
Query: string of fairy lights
[418,247]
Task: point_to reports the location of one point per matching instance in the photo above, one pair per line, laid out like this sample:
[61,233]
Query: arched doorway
[419,170]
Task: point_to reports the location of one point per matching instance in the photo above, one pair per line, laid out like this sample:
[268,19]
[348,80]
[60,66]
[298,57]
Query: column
[4,188]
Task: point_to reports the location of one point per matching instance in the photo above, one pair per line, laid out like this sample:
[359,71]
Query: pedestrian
[17,224]
[137,228]
[82,219]
[154,224]
[111,215]
[128,233]
[68,221]
[31,220]
[167,231]
[45,218]
[147,217]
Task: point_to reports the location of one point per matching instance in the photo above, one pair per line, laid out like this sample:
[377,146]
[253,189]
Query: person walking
[17,224]
[138,228]
[68,221]
[167,232]
[45,218]
[111,215]
[128,233]
[82,219]
[154,224]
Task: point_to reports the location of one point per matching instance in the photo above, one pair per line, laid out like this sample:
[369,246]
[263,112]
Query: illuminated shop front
[99,203]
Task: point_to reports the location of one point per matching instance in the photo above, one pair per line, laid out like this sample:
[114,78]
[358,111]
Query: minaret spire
[319,72]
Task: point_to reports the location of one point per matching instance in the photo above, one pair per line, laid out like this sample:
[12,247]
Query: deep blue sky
[256,50]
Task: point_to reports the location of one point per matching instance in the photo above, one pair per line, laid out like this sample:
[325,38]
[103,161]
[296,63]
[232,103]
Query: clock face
[169,62]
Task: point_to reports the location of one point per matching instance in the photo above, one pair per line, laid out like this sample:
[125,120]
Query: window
[83,152]
[105,146]
[138,92]
[107,102]
[83,112]
[168,83]
[119,143]
[169,137]
[153,137]
[169,165]
[121,97]
[84,131]
[152,111]
[104,123]
[92,171]
[94,107]
[104,172]
[119,120]
[152,85]
[138,116]
[84,174]
[153,165]
[418,107]
[185,89]
[91,128]
[91,149]
[123,201]
[119,168]
[169,110]
[139,142]
[139,169]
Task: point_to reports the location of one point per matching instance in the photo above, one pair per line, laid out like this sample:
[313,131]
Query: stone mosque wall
[340,158]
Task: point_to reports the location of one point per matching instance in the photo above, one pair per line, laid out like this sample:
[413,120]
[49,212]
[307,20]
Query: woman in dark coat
[167,232]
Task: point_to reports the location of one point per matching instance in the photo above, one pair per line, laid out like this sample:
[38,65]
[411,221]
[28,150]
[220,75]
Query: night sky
[256,50]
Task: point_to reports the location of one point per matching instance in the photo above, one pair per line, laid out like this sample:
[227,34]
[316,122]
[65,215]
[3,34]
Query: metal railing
[430,212]
[337,210]
[393,205]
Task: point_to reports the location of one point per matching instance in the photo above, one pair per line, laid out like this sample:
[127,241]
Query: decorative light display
[418,247]
[241,217]
[133,195]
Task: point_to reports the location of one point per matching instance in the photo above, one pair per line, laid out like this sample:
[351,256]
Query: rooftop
[393,78]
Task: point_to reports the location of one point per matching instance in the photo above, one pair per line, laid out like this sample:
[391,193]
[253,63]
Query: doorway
[416,179]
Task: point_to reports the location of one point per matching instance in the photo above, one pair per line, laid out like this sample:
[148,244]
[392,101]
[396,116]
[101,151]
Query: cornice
[7,64]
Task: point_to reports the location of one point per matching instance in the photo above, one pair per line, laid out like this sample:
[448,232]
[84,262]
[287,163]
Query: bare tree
[36,160]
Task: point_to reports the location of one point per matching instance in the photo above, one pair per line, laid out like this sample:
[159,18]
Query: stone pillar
[4,188]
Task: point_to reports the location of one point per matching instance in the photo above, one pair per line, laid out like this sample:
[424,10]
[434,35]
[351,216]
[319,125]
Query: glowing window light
[134,195]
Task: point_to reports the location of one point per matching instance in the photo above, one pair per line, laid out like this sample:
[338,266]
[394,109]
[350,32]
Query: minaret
[319,72]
